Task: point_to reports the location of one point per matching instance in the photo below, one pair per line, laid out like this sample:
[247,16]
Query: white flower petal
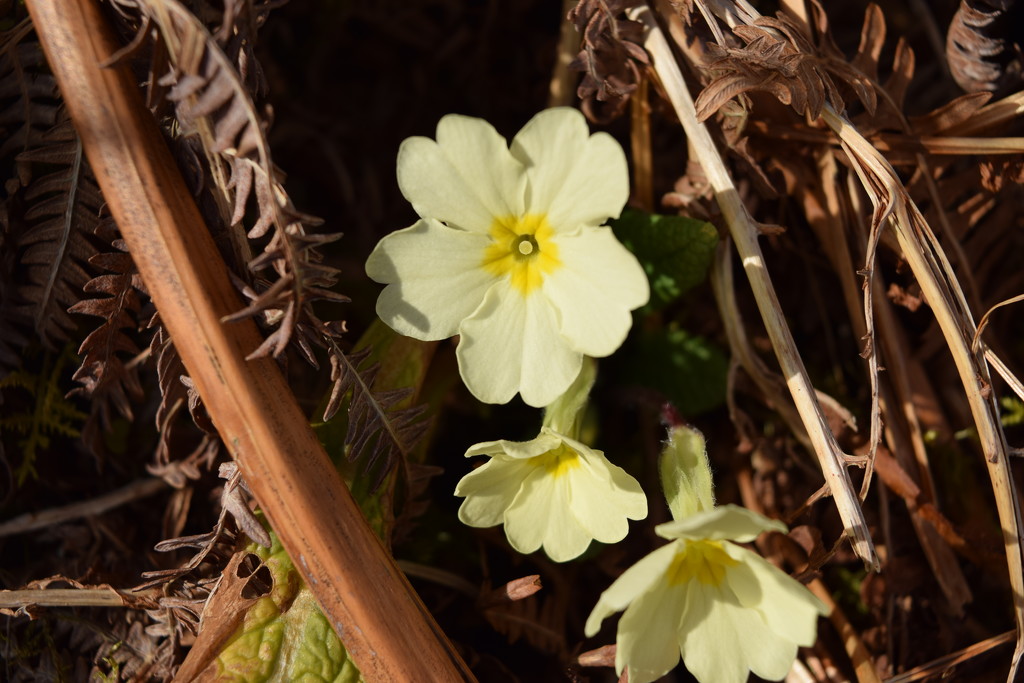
[511,344]
[639,578]
[578,179]
[648,636]
[540,516]
[788,607]
[489,490]
[466,179]
[595,289]
[603,499]
[517,450]
[726,522]
[434,279]
[723,642]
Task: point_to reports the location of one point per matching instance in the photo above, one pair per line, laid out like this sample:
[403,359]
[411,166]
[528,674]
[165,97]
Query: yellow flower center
[560,461]
[704,561]
[522,248]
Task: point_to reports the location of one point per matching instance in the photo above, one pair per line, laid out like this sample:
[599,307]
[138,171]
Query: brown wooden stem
[385,627]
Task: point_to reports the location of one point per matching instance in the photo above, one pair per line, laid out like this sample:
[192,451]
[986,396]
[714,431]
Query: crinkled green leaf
[675,251]
[688,369]
[284,636]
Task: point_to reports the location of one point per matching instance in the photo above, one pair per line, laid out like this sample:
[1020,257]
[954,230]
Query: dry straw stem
[31,521]
[943,667]
[895,209]
[995,361]
[937,145]
[386,629]
[75,597]
[745,234]
[859,655]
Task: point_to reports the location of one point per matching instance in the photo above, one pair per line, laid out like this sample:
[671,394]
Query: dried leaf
[61,210]
[540,619]
[780,59]
[379,432]
[29,99]
[610,58]
[978,48]
[213,79]
[104,375]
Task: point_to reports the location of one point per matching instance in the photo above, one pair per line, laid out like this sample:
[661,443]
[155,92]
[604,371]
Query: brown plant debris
[611,58]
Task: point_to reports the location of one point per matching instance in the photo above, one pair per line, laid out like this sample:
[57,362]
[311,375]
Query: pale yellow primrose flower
[726,610]
[551,492]
[511,252]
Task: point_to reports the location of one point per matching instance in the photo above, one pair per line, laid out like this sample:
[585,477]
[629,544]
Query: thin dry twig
[31,521]
[75,597]
[941,667]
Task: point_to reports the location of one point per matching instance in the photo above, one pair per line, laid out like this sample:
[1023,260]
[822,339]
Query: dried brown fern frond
[14,337]
[379,433]
[61,211]
[610,57]
[285,301]
[177,392]
[213,79]
[29,100]
[779,58]
[111,382]
[538,616]
[980,49]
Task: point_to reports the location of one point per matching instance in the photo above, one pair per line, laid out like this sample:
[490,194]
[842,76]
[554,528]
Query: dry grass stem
[31,521]
[894,208]
[942,667]
[745,233]
[859,655]
[74,597]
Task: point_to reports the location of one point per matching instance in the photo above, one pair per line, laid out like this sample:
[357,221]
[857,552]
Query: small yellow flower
[511,252]
[551,492]
[724,609]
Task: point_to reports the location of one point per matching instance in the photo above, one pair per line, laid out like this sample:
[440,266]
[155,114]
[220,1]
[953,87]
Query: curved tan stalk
[745,233]
[944,296]
[386,629]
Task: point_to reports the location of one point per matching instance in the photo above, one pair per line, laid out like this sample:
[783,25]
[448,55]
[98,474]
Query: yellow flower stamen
[560,461]
[704,561]
[522,247]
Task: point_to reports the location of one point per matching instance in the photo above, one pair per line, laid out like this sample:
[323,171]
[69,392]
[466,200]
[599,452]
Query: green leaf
[674,251]
[688,369]
[284,636]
